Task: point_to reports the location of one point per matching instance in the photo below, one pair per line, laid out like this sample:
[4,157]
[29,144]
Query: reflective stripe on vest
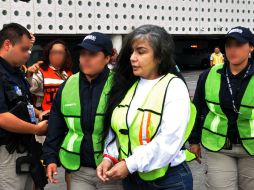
[145,123]
[144,128]
[215,127]
[71,109]
[51,83]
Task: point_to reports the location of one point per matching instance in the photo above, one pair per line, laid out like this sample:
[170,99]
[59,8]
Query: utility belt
[14,142]
[31,164]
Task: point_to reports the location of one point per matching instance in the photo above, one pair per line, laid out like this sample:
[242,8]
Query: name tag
[31,112]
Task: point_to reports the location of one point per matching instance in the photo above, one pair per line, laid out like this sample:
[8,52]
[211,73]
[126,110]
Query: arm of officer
[56,133]
[200,103]
[10,122]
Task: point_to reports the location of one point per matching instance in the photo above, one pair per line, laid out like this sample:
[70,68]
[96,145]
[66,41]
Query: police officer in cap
[75,135]
[225,122]
[17,115]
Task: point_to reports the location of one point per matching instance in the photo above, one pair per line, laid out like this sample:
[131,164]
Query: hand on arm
[56,133]
[104,166]
[201,106]
[110,156]
[119,171]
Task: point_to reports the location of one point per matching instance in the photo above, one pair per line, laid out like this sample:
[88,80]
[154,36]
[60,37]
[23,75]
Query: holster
[32,164]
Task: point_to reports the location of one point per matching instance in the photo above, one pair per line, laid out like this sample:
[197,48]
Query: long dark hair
[67,65]
[163,46]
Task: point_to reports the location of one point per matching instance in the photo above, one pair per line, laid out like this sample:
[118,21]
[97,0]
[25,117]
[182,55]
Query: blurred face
[57,55]
[92,63]
[217,50]
[237,52]
[142,60]
[17,54]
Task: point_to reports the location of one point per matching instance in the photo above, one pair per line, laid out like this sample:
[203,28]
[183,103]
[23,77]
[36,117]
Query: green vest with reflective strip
[215,127]
[71,109]
[145,123]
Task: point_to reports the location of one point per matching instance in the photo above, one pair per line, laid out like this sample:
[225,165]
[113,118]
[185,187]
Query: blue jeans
[176,178]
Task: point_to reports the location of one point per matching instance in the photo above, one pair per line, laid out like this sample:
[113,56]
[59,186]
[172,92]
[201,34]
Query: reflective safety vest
[215,127]
[71,109]
[217,58]
[51,83]
[145,124]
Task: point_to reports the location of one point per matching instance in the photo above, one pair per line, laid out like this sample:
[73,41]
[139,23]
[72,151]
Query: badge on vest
[18,91]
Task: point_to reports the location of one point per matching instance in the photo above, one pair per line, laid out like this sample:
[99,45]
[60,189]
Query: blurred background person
[216,57]
[47,75]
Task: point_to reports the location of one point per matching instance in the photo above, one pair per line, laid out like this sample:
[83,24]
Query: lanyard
[231,91]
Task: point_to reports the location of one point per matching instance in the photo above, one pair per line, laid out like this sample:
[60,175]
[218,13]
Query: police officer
[17,115]
[225,123]
[76,119]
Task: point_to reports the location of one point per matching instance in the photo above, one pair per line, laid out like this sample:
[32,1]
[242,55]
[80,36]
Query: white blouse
[166,146]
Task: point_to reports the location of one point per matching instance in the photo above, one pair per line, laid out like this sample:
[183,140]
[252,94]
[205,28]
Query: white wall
[122,16]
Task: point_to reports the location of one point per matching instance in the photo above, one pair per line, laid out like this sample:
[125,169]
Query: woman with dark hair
[148,113]
[46,76]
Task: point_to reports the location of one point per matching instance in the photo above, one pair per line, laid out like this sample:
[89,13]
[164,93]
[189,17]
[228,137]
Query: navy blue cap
[240,34]
[96,42]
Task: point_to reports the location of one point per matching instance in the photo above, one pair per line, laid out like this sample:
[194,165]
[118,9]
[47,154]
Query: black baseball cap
[240,34]
[96,42]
